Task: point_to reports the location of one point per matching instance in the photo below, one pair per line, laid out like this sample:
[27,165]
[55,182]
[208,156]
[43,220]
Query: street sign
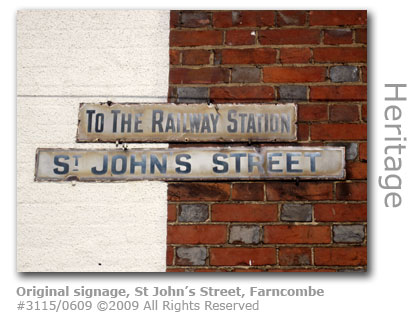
[112,122]
[214,163]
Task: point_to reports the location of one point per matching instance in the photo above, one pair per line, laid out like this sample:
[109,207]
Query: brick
[280,234]
[193,212]
[303,132]
[352,256]
[338,93]
[174,57]
[337,17]
[344,74]
[340,212]
[348,233]
[295,55]
[249,56]
[242,256]
[172,212]
[245,74]
[222,19]
[364,111]
[169,256]
[174,19]
[347,113]
[172,94]
[242,94]
[281,191]
[289,36]
[338,131]
[345,54]
[244,212]
[187,38]
[292,93]
[244,234]
[294,74]
[253,18]
[351,191]
[363,151]
[198,191]
[351,270]
[240,37]
[294,256]
[351,149]
[302,270]
[360,36]
[195,19]
[364,74]
[314,112]
[191,256]
[175,270]
[192,95]
[248,270]
[198,76]
[195,57]
[338,36]
[197,234]
[296,212]
[248,191]
[291,18]
[356,170]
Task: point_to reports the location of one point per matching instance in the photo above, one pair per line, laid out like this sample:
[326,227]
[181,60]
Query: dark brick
[193,213]
[246,75]
[296,212]
[344,74]
[198,191]
[244,234]
[195,19]
[349,233]
[192,95]
[191,256]
[292,93]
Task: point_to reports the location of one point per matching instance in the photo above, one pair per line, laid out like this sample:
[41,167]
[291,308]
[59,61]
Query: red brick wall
[314,58]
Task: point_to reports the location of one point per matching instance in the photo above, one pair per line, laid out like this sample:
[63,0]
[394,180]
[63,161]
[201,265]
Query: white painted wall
[64,58]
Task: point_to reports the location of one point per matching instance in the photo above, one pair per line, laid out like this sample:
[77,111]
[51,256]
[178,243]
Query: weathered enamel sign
[111,122]
[221,163]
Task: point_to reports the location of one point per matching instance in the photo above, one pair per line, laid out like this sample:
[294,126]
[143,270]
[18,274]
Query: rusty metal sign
[224,163]
[112,122]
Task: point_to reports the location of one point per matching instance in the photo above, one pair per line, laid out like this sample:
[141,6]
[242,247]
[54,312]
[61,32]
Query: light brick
[348,233]
[292,93]
[192,95]
[244,234]
[193,213]
[246,75]
[296,212]
[191,256]
[344,74]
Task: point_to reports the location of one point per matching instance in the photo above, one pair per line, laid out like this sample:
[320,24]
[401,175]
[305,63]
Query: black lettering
[115,119]
[115,159]
[104,167]
[99,122]
[271,162]
[161,166]
[89,114]
[133,163]
[290,162]
[157,122]
[63,165]
[138,122]
[187,165]
[126,122]
[312,156]
[238,156]
[230,118]
[224,164]
[252,163]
